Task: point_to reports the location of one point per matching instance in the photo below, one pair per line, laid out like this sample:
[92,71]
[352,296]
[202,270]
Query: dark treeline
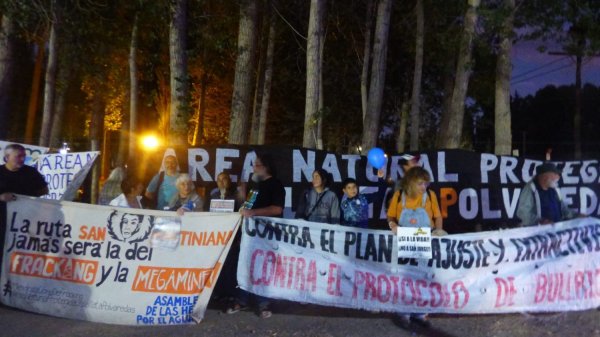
[544,121]
[94,45]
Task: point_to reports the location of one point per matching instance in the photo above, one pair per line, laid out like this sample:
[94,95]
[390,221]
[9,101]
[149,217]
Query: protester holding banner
[417,207]
[319,203]
[162,186]
[225,191]
[540,201]
[186,199]
[131,196]
[267,199]
[16,177]
[415,195]
[112,186]
[226,284]
[355,206]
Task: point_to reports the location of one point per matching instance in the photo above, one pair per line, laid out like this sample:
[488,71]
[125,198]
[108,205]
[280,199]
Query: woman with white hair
[186,199]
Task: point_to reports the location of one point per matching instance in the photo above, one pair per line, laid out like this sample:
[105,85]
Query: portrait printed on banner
[128,227]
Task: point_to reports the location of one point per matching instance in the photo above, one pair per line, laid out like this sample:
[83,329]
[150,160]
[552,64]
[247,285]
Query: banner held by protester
[533,269]
[112,265]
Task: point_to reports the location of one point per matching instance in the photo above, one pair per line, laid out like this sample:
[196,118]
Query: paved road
[292,319]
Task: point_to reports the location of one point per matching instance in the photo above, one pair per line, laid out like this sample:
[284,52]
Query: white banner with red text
[112,265]
[534,269]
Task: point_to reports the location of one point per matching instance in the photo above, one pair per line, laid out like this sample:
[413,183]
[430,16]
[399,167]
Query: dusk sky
[533,70]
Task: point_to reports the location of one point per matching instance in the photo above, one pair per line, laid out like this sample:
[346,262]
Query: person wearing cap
[540,201]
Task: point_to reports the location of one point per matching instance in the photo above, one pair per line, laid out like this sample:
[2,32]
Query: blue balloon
[376,157]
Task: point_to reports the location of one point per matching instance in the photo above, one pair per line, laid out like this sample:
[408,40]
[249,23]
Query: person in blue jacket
[355,206]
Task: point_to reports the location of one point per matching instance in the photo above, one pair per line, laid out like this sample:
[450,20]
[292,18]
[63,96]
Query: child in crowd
[355,206]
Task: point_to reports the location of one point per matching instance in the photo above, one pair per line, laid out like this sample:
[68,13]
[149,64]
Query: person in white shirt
[132,194]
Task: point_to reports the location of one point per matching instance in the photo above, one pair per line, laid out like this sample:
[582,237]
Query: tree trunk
[202,106]
[403,114]
[364,76]
[178,119]
[447,99]
[450,136]
[201,111]
[127,141]
[378,68]
[49,87]
[260,79]
[35,90]
[502,117]
[321,111]
[264,106]
[64,75]
[96,127]
[244,73]
[415,102]
[313,70]
[6,72]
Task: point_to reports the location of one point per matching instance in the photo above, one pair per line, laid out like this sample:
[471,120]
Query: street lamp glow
[150,142]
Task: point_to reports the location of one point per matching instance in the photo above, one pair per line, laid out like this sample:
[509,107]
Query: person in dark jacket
[540,201]
[355,206]
[319,203]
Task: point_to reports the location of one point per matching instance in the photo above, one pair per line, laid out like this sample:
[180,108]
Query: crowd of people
[412,203]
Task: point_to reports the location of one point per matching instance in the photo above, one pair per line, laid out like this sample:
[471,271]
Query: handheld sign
[222,205]
[414,242]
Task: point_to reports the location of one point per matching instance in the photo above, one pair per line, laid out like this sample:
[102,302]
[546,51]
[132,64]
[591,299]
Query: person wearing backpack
[162,188]
[319,203]
[416,207]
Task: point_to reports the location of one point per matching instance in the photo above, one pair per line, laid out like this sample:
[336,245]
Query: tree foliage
[94,45]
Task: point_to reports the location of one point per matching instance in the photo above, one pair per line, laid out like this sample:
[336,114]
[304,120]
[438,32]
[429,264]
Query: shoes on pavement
[404,320]
[236,307]
[421,320]
[266,313]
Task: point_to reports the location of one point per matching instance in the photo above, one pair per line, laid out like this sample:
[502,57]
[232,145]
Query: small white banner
[222,205]
[414,242]
[112,265]
[532,269]
[65,172]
